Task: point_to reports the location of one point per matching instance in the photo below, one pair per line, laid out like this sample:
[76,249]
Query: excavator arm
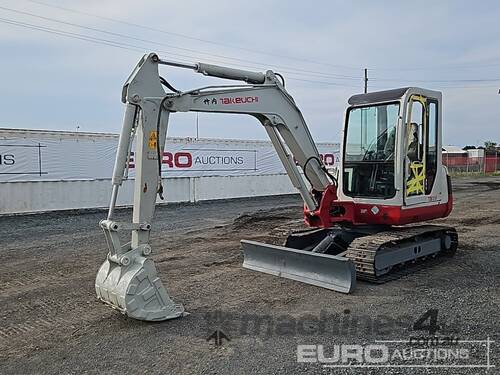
[127,280]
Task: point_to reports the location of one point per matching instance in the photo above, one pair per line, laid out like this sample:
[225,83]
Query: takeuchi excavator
[362,218]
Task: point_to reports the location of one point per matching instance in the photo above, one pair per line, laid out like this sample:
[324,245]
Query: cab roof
[378,96]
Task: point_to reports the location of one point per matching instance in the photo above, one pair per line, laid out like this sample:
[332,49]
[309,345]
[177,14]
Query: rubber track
[363,250]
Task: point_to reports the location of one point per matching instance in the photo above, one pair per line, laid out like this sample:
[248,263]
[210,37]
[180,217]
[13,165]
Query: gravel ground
[51,322]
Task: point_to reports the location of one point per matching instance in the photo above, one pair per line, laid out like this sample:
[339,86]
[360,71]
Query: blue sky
[56,82]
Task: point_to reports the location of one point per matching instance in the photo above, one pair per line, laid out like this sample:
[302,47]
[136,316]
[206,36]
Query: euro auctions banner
[41,156]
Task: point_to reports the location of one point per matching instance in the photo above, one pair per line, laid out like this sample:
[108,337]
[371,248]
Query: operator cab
[391,143]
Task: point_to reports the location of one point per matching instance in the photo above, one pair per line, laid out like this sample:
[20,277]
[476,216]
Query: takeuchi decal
[239,100]
[231,100]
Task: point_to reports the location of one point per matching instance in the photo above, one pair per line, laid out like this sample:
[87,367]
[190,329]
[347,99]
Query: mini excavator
[367,220]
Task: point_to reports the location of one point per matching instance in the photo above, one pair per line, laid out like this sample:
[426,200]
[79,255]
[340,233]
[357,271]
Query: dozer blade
[136,290]
[327,271]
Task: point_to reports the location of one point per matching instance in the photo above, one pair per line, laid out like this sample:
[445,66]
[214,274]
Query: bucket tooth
[136,290]
[328,271]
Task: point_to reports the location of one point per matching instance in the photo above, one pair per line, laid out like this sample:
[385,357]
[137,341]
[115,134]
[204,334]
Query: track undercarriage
[333,258]
[378,256]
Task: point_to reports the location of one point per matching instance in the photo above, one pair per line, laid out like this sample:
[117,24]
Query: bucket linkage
[128,282]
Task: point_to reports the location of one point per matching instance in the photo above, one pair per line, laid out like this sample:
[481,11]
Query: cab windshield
[369,151]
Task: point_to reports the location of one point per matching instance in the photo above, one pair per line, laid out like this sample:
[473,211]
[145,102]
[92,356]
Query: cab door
[420,149]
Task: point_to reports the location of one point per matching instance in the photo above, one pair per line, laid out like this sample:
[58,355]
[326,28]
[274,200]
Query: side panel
[393,215]
[380,214]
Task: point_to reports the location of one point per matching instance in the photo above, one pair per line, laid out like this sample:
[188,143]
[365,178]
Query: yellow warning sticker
[153,139]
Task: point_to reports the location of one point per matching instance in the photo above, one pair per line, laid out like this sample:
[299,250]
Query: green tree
[490,147]
[469,147]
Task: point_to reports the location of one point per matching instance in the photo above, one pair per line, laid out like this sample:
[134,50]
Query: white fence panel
[26,197]
[243,186]
[47,170]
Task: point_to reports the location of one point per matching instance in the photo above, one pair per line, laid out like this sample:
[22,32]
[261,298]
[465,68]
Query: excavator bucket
[327,271]
[136,290]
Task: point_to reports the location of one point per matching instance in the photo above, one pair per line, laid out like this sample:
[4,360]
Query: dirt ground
[51,322]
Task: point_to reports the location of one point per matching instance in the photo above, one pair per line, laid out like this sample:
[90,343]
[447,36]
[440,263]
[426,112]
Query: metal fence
[468,164]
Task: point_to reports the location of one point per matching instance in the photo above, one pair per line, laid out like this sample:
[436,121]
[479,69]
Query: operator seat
[412,152]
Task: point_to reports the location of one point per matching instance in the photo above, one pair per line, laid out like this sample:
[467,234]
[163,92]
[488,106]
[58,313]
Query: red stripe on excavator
[333,212]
